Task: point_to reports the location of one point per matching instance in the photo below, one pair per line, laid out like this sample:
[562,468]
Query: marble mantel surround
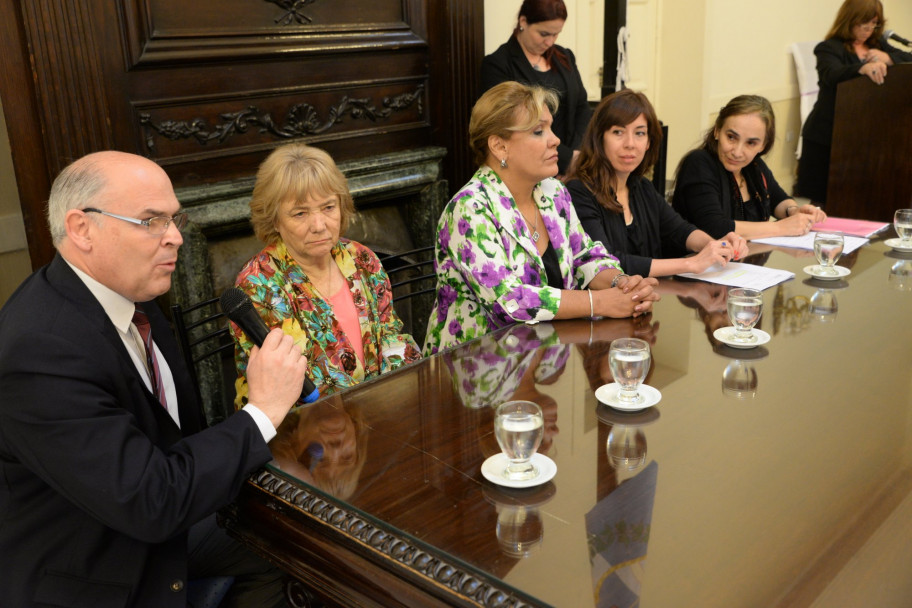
[398,198]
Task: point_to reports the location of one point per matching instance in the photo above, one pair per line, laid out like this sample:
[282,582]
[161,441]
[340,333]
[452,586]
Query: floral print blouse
[284,297]
[489,272]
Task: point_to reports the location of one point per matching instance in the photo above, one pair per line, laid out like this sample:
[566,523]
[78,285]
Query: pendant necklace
[535,234]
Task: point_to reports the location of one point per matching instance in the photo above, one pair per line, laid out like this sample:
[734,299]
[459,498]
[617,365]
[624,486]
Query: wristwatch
[617,277]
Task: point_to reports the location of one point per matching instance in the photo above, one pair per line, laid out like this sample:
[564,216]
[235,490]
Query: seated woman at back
[510,247]
[621,208]
[725,186]
[331,294]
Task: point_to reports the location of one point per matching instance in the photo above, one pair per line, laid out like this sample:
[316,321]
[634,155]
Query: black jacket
[659,232]
[703,193]
[98,485]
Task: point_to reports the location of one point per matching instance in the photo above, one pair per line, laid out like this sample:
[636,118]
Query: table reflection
[754,504]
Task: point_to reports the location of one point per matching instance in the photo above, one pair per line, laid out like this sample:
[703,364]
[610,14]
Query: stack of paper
[736,274]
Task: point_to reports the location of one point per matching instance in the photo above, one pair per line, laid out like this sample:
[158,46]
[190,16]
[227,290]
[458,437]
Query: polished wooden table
[778,476]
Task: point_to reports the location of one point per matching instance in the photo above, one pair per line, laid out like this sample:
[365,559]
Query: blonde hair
[295,172]
[499,111]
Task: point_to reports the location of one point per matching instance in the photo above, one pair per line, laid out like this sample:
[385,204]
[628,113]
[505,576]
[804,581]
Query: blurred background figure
[329,293]
[620,208]
[854,46]
[509,245]
[725,186]
[531,56]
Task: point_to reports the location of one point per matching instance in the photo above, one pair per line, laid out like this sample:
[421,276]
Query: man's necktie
[145,330]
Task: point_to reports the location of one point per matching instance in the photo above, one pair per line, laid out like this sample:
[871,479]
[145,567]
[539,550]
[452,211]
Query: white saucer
[896,245]
[607,394]
[814,271]
[493,469]
[726,335]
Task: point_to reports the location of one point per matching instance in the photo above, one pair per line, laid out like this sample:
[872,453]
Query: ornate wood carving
[293,11]
[78,74]
[300,120]
[389,544]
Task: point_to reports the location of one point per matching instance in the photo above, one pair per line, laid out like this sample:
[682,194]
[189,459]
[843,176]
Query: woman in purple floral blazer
[510,247]
[331,294]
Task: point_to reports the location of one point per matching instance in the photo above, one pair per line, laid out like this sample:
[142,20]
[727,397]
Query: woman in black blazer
[854,46]
[725,186]
[531,57]
[619,207]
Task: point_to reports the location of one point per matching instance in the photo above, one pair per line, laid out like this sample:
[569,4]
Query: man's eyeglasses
[156,225]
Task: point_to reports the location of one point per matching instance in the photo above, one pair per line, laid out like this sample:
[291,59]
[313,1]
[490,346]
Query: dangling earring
[503,163]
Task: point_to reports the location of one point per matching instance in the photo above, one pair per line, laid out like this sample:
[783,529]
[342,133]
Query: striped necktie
[145,330]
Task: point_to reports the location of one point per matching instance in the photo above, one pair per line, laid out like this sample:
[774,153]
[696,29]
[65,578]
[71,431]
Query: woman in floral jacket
[331,294]
[510,247]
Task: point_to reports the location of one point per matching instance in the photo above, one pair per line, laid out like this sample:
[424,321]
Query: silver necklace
[535,234]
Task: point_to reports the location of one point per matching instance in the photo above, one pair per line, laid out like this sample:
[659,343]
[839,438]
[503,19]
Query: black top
[509,62]
[705,193]
[657,230]
[835,64]
[552,267]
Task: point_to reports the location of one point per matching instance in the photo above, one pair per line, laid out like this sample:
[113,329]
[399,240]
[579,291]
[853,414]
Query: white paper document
[736,274]
[807,242]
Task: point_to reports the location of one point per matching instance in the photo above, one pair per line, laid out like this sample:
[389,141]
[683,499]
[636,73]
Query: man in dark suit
[105,467]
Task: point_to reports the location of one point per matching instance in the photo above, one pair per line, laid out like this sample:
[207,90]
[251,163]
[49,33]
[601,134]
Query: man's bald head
[82,183]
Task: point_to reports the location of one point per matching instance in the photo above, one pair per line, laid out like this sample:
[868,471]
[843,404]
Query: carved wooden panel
[169,31]
[208,87]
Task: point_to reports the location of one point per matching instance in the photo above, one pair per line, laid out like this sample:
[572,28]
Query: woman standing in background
[854,46]
[531,57]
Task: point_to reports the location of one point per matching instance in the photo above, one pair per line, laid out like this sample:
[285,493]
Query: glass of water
[827,249]
[902,222]
[629,360]
[745,306]
[519,427]
[824,306]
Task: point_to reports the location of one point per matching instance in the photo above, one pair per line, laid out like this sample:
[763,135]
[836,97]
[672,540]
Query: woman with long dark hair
[618,206]
[725,186]
[531,56]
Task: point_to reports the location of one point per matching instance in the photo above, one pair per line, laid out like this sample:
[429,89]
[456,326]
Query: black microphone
[892,35]
[239,309]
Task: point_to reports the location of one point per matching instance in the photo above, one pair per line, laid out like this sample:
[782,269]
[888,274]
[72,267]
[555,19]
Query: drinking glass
[519,530]
[739,380]
[824,305]
[518,427]
[827,248]
[626,447]
[745,306]
[902,222]
[901,275]
[629,360]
